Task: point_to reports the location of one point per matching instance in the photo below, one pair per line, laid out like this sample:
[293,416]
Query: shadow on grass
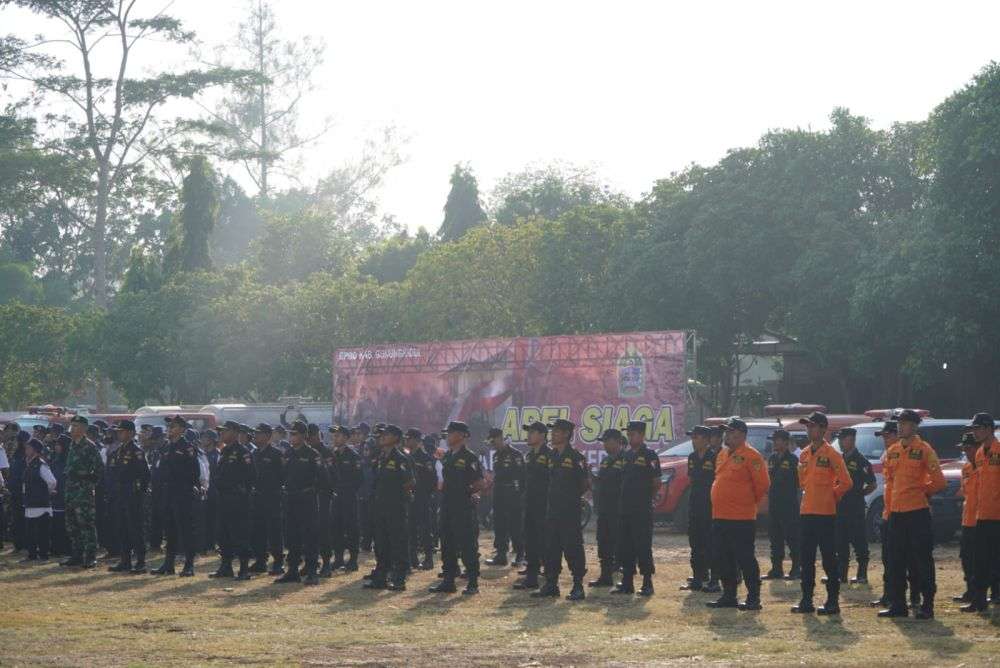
[932,636]
[784,590]
[828,632]
[115,583]
[539,613]
[351,593]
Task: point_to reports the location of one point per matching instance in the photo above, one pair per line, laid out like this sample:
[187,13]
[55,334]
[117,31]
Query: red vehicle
[670,506]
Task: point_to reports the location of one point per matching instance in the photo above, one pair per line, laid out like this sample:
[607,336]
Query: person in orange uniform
[824,479]
[967,548]
[987,510]
[913,470]
[741,483]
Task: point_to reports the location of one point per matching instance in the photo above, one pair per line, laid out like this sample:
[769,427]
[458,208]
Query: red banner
[597,381]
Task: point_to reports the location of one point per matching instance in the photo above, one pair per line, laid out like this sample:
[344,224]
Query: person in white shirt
[39,487]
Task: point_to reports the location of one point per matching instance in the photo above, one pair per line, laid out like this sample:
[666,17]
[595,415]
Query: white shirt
[4,464]
[204,472]
[50,480]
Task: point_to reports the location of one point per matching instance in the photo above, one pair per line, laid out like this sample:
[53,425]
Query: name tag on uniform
[390,465]
[567,464]
[915,454]
[737,459]
[460,463]
[640,461]
[786,465]
[542,460]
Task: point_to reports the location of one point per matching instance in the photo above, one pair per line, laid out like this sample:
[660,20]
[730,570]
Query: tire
[873,520]
[680,518]
[585,513]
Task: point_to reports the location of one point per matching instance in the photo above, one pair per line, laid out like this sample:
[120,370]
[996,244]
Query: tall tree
[463,210]
[187,248]
[548,193]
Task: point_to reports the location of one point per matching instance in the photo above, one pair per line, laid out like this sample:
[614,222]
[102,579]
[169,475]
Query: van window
[682,449]
[944,439]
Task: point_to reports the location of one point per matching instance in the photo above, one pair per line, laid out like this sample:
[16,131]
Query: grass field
[52,616]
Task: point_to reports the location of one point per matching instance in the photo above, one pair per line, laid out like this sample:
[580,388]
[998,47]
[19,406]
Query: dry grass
[53,617]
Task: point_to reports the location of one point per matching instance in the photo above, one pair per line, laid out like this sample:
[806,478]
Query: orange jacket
[741,482]
[970,482]
[913,469]
[988,487]
[824,479]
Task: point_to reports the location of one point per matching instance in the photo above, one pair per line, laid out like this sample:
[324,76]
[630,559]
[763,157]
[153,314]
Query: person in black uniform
[107,493]
[608,497]
[508,508]
[701,475]
[569,479]
[131,482]
[234,480]
[369,459]
[640,480]
[851,525]
[393,485]
[536,494]
[463,480]
[303,472]
[425,482]
[159,506]
[347,477]
[783,506]
[324,496]
[430,443]
[183,486]
[269,476]
[210,449]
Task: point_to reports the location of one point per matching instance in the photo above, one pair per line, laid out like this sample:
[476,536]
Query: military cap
[495,431]
[430,440]
[847,431]
[280,429]
[889,427]
[363,428]
[460,427]
[64,440]
[56,429]
[340,429]
[264,428]
[210,434]
[313,428]
[413,432]
[145,426]
[101,424]
[40,428]
[982,420]
[36,445]
[609,434]
[126,425]
[780,433]
[93,431]
[299,427]
[816,418]
[176,419]
[392,430]
[908,415]
[232,425]
[156,432]
[561,423]
[79,419]
[22,437]
[700,430]
[538,426]
[968,440]
[636,425]
[734,424]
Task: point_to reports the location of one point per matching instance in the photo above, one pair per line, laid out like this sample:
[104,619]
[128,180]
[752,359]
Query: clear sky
[634,89]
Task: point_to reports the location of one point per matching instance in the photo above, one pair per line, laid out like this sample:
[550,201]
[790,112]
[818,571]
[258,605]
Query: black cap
[177,419]
[562,423]
[299,427]
[847,431]
[636,425]
[816,418]
[13,426]
[125,425]
[780,433]
[340,429]
[700,430]
[538,426]
[460,427]
[982,420]
[64,440]
[908,415]
[101,424]
[264,428]
[363,428]
[968,440]
[56,429]
[495,431]
[413,432]
[79,419]
[313,428]
[734,424]
[717,430]
[430,439]
[890,427]
[210,434]
[145,426]
[156,432]
[280,428]
[610,433]
[36,445]
[93,431]
[23,437]
[232,425]
[40,428]
[393,430]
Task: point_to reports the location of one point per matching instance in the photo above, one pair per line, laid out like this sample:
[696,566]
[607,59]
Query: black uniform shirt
[568,478]
[609,484]
[235,472]
[536,476]
[701,474]
[783,469]
[183,474]
[424,474]
[508,469]
[393,481]
[642,467]
[861,474]
[460,469]
[131,470]
[269,468]
[348,471]
[302,470]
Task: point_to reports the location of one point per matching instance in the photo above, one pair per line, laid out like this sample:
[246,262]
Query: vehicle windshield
[942,437]
[759,439]
[682,449]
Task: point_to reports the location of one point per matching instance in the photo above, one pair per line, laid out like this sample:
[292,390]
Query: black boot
[894,610]
[188,570]
[831,607]
[259,565]
[338,561]
[862,577]
[245,571]
[776,572]
[89,560]
[604,579]
[647,586]
[472,587]
[327,569]
[752,601]
[291,574]
[794,573]
[728,598]
[76,559]
[692,584]
[499,559]
[529,581]
[626,586]
[428,563]
[311,579]
[550,589]
[926,610]
[277,568]
[352,562]
[966,596]
[139,567]
[446,586]
[225,569]
[576,593]
[711,587]
[166,568]
[397,582]
[121,567]
[978,602]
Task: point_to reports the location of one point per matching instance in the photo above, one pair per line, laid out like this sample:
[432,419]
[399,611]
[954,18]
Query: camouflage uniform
[83,470]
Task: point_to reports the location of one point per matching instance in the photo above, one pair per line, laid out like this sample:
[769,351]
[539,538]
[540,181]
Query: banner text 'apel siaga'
[597,381]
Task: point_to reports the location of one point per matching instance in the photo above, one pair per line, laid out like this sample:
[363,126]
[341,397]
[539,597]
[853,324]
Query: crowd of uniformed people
[286,503]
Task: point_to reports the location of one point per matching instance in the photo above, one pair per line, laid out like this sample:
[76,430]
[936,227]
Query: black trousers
[17,522]
[60,539]
[130,527]
[37,535]
[345,522]
[233,529]
[817,531]
[608,535]
[507,512]
[700,538]
[783,529]
[391,542]
[300,529]
[987,553]
[106,506]
[635,543]
[158,517]
[852,532]
[265,529]
[564,539]
[911,544]
[208,539]
[324,522]
[180,527]
[365,521]
[420,526]
[534,536]
[967,553]
[459,539]
[733,543]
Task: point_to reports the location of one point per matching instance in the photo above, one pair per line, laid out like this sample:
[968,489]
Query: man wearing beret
[536,494]
[987,560]
[608,496]
[269,476]
[303,471]
[640,480]
[852,525]
[131,483]
[182,480]
[347,480]
[83,471]
[463,480]
[701,474]
[783,500]
[425,482]
[393,485]
[569,479]
[508,509]
[741,483]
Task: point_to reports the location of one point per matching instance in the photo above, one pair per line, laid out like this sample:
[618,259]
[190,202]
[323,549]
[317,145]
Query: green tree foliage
[390,260]
[462,210]
[35,360]
[549,193]
[187,246]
